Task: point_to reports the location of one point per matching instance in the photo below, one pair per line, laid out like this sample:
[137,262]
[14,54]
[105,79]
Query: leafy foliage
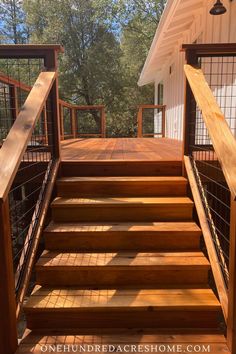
[106,43]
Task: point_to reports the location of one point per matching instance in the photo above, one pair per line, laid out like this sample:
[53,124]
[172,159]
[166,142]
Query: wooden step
[122,209]
[119,308]
[150,236]
[121,168]
[211,342]
[123,269]
[121,186]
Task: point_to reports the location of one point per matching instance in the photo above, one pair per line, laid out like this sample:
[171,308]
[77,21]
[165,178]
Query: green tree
[13,28]
[90,68]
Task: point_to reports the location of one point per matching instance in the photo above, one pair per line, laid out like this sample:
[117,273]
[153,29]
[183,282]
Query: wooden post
[45,124]
[13,102]
[140,122]
[61,113]
[163,128]
[231,324]
[189,108]
[74,125]
[8,327]
[103,123]
[50,62]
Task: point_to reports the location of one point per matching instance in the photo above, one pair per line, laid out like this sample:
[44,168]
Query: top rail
[221,136]
[16,142]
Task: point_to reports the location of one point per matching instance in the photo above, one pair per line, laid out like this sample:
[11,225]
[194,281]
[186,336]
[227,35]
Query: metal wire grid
[27,191]
[16,77]
[67,122]
[220,74]
[88,122]
[152,122]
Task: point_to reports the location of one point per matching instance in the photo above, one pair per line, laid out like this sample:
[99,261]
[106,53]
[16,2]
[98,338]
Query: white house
[182,22]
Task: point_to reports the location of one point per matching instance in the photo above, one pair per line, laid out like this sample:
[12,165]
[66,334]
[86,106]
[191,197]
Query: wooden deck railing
[210,161]
[28,166]
[70,115]
[70,127]
[155,125]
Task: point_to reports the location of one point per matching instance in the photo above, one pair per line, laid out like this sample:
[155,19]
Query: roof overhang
[176,19]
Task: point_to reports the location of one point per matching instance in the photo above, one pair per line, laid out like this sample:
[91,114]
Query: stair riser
[120,189]
[123,213]
[149,276]
[63,319]
[122,241]
[121,168]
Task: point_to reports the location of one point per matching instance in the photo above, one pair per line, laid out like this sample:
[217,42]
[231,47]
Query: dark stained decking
[140,149]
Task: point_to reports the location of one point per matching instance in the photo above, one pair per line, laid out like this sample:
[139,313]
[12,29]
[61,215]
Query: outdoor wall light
[218,8]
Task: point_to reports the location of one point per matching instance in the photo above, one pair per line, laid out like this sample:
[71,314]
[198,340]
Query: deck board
[138,149]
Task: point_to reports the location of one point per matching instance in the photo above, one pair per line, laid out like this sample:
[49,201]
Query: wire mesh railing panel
[28,190]
[6,117]
[67,122]
[151,121]
[220,73]
[88,122]
[16,78]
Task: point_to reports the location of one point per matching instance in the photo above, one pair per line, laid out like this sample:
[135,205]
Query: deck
[137,149]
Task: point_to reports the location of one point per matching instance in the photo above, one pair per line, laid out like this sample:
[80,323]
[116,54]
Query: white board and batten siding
[204,28]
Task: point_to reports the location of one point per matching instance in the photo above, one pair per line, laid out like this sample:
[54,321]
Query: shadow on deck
[137,149]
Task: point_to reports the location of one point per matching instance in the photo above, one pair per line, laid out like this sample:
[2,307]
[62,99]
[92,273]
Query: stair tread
[122,226]
[33,342]
[115,201]
[46,298]
[164,260]
[159,179]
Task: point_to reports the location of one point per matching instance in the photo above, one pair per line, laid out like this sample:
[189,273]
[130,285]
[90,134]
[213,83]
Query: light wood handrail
[17,139]
[221,136]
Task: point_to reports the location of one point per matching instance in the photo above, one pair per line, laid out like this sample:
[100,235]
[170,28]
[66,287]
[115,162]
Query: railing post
[50,62]
[103,123]
[189,109]
[231,330]
[61,113]
[8,327]
[13,101]
[73,121]
[163,127]
[140,122]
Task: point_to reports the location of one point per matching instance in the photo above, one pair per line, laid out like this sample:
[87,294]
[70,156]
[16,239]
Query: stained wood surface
[114,201]
[160,299]
[122,209]
[87,308]
[122,268]
[221,135]
[122,236]
[144,149]
[121,186]
[121,168]
[32,343]
[123,259]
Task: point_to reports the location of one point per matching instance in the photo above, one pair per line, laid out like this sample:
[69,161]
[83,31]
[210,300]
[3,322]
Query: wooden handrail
[16,141]
[221,136]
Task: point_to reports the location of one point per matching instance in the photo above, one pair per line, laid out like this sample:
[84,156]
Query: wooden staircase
[123,263]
